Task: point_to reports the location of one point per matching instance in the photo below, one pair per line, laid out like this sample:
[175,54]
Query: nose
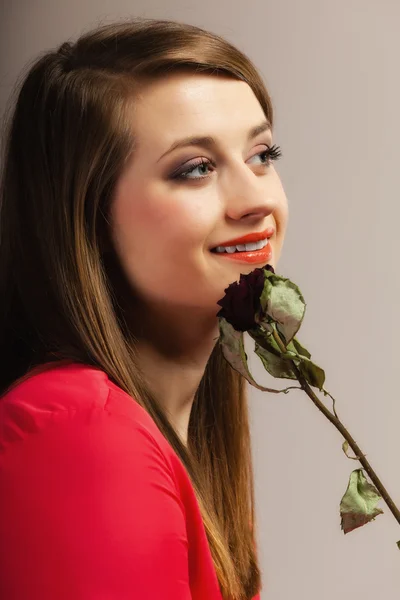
[250,196]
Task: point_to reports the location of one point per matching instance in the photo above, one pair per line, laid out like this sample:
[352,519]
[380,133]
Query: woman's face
[163,228]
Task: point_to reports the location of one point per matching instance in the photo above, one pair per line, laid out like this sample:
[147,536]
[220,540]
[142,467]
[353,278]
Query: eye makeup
[270,154]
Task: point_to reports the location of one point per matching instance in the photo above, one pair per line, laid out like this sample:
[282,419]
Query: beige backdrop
[333,71]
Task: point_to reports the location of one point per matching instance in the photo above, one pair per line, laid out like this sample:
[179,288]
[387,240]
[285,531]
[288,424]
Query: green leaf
[297,347]
[312,373]
[234,352]
[275,364]
[265,338]
[358,505]
[282,301]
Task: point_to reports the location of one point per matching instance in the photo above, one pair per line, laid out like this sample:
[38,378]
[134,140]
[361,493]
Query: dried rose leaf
[234,352]
[279,364]
[358,505]
[275,365]
[298,348]
[282,301]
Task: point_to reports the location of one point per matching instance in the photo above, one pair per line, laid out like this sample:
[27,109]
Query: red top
[94,502]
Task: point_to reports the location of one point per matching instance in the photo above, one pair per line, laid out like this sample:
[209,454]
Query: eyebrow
[209,142]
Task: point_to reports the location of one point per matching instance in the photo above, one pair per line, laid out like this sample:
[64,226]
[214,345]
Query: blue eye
[272,153]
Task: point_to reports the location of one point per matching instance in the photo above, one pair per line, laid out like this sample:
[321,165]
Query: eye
[201,163]
[267,156]
[272,153]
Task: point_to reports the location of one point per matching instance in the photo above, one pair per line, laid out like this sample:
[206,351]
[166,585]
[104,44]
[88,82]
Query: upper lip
[250,237]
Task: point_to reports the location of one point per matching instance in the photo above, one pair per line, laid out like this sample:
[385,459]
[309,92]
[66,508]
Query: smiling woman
[138,171]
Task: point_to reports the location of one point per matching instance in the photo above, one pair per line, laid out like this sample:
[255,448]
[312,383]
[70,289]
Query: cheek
[137,218]
[168,218]
[182,218]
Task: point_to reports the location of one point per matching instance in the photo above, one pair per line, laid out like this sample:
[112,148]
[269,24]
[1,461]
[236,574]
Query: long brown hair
[67,140]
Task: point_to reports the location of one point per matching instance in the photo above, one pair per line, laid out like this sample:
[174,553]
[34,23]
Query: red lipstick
[261,256]
[250,237]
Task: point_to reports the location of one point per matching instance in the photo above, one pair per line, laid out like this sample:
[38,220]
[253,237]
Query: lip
[261,257]
[249,238]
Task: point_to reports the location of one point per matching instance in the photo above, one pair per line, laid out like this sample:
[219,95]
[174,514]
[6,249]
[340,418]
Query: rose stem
[342,429]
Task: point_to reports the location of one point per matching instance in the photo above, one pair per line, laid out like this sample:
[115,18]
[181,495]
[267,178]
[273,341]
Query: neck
[173,350]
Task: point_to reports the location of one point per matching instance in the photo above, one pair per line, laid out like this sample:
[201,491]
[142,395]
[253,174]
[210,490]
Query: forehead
[182,104]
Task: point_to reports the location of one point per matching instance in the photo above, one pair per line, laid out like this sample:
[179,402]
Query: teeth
[252,246]
[242,247]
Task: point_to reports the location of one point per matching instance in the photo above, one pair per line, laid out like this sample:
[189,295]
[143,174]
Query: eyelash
[272,153]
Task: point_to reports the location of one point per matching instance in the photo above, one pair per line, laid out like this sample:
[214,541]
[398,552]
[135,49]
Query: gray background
[333,71]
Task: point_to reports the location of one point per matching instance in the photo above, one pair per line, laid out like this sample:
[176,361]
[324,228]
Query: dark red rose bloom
[242,300]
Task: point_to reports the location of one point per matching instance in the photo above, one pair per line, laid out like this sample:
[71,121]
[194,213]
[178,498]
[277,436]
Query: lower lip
[253,256]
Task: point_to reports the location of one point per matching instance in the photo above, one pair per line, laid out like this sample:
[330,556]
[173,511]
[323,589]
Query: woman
[125,457]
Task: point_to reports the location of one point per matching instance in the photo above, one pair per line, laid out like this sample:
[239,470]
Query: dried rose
[270,308]
[242,299]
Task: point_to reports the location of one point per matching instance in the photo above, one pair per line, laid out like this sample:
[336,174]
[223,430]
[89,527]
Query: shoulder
[71,393]
[52,388]
[85,474]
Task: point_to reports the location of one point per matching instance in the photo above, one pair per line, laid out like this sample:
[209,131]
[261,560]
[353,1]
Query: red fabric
[94,502]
